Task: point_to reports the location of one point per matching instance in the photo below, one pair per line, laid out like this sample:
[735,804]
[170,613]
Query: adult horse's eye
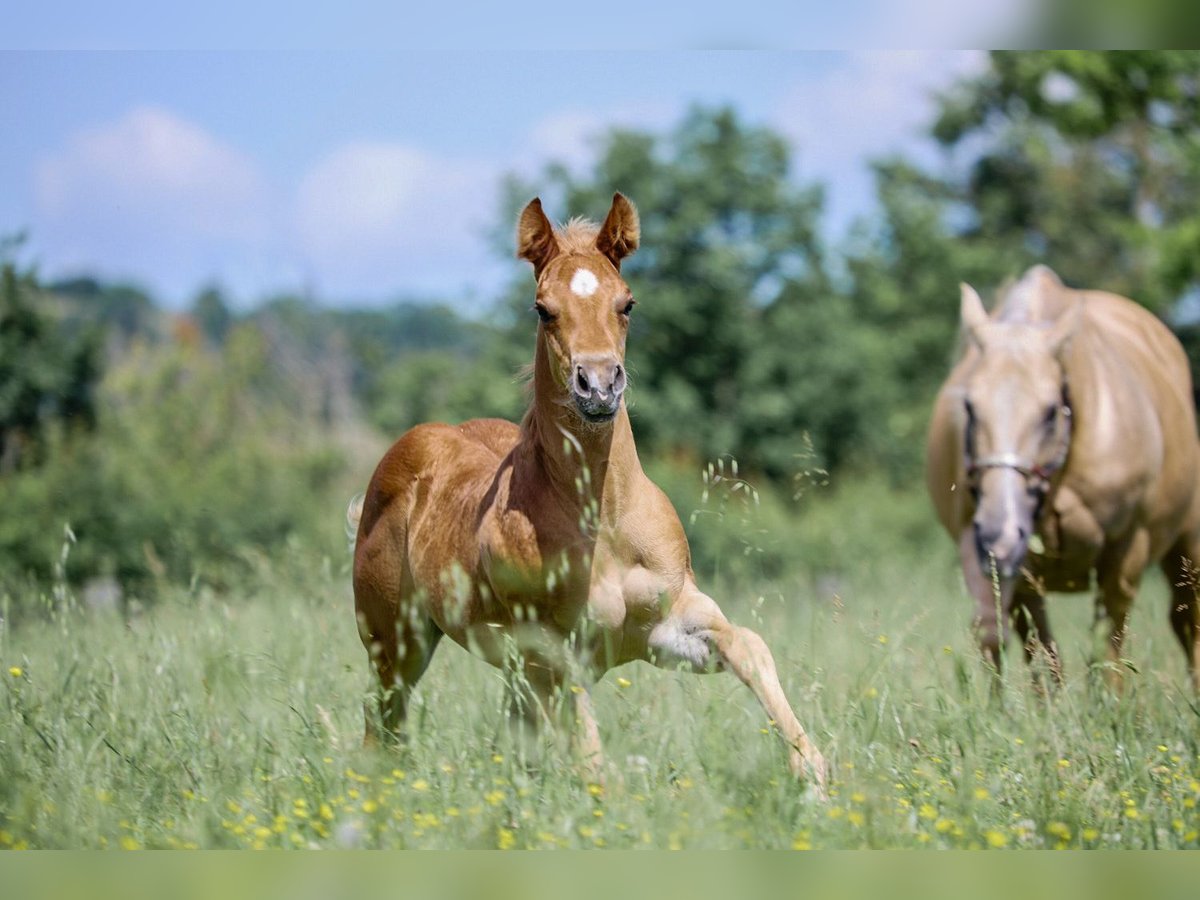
[628,307]
[544,314]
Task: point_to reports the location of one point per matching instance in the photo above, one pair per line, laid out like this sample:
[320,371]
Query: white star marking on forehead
[584,283]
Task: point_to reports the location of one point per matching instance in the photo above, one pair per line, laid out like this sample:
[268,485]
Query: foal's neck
[583,461]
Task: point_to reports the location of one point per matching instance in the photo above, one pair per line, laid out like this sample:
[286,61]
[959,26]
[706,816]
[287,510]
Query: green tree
[1087,160]
[47,373]
[212,313]
[123,310]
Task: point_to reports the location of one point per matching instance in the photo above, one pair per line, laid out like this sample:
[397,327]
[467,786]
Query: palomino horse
[1064,442]
[547,536]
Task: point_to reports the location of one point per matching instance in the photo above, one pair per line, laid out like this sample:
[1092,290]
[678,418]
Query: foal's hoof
[812,769]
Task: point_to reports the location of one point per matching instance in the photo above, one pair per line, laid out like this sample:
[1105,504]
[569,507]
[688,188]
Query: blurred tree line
[174,444]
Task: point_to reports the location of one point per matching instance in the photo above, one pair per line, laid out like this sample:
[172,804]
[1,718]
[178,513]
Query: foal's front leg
[552,697]
[696,631]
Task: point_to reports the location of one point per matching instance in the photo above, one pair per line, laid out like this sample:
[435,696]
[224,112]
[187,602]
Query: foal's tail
[353,514]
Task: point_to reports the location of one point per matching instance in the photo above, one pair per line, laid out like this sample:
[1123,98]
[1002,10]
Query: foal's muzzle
[597,383]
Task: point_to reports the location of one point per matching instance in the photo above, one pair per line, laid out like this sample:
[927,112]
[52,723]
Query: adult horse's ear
[1064,328]
[973,315]
[621,232]
[535,237]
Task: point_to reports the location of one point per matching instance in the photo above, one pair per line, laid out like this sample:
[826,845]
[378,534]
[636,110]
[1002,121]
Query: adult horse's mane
[1032,299]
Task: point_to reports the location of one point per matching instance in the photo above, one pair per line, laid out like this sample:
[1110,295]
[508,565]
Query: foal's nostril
[581,380]
[618,379]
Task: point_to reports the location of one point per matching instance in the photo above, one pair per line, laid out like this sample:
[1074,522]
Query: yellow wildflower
[1059,830]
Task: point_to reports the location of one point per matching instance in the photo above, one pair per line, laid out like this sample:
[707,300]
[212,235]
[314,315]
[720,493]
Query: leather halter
[1039,474]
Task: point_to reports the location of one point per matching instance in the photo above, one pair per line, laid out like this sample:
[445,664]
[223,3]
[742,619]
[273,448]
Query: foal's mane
[578,235]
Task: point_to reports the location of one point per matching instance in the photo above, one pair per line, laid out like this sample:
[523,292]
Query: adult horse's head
[1017,421]
[583,303]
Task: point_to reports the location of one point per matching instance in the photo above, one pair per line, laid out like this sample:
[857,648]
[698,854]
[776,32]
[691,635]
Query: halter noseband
[1041,473]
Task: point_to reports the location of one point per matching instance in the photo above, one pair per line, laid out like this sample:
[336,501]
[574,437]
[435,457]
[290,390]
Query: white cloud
[568,136]
[155,197]
[150,181]
[573,136]
[875,104]
[372,217]
[144,168]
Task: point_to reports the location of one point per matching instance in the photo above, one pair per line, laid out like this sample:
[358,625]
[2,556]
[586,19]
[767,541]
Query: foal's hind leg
[1181,565]
[400,640]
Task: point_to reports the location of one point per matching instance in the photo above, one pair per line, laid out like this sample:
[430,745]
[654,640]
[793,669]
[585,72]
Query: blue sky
[363,175]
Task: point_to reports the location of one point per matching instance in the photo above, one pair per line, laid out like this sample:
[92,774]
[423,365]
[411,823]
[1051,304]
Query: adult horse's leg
[696,631]
[993,602]
[1118,574]
[1180,565]
[1033,628]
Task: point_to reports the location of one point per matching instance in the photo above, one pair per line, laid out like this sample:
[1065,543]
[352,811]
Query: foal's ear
[621,232]
[973,315]
[535,237]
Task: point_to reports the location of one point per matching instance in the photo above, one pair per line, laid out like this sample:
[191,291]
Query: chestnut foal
[548,536]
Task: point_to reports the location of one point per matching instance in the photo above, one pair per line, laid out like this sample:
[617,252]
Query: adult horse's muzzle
[1004,521]
[1005,549]
[597,384]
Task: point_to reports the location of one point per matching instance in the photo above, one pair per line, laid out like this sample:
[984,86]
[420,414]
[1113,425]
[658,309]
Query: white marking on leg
[673,642]
[584,283]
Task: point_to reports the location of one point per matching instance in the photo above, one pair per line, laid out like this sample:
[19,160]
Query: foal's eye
[544,314]
[628,307]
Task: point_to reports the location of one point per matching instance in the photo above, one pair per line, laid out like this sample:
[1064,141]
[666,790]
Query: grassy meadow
[234,720]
